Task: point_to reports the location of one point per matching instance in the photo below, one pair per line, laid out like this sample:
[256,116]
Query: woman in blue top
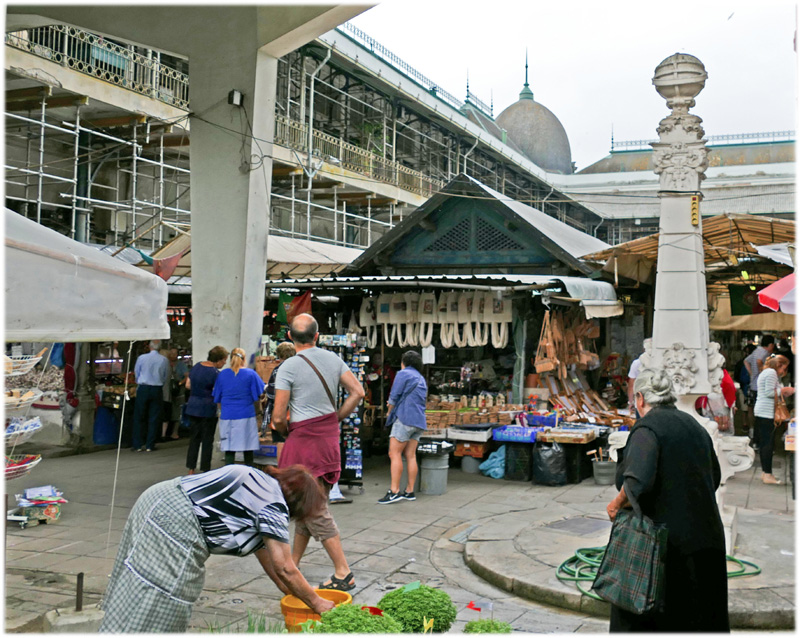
[200,408]
[238,391]
[407,418]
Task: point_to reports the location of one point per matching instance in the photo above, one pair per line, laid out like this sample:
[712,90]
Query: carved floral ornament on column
[680,166]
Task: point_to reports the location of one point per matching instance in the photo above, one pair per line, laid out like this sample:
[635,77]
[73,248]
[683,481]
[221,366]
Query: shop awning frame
[598,298]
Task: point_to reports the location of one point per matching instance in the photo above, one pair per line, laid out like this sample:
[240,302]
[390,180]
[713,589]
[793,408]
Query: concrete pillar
[230,185]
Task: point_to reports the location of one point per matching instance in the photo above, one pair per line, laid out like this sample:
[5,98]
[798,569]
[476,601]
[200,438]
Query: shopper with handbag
[770,411]
[670,473]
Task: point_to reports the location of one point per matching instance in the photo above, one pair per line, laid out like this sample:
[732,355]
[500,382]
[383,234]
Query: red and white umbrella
[779,296]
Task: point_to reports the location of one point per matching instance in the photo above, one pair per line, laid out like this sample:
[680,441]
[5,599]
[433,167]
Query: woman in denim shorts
[407,420]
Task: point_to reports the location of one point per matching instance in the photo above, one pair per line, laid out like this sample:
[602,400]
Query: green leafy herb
[410,607]
[487,626]
[351,619]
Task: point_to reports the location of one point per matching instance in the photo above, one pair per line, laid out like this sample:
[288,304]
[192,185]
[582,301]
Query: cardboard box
[47,514]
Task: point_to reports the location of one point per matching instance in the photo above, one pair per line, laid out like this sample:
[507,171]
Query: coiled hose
[582,567]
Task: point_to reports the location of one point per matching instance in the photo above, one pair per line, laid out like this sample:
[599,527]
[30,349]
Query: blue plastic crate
[515,434]
[540,420]
[266,450]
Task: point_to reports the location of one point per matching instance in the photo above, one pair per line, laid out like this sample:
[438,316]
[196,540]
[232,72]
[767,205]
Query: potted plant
[415,605]
[487,626]
[352,619]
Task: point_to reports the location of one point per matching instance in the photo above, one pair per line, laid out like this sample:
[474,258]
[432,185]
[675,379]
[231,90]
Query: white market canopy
[286,257]
[58,289]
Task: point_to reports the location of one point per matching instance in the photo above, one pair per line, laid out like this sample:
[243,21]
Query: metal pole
[335,215]
[161,190]
[133,181]
[369,222]
[41,163]
[293,197]
[310,147]
[79,593]
[117,173]
[75,167]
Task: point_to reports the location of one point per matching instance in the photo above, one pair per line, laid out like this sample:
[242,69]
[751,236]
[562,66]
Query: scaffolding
[103,182]
[91,184]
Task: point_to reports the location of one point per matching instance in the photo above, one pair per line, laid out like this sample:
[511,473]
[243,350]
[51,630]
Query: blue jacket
[408,396]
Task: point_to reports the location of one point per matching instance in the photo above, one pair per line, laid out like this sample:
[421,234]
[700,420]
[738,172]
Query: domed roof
[537,132]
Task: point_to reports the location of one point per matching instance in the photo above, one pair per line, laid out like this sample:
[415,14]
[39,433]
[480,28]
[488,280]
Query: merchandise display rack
[351,349]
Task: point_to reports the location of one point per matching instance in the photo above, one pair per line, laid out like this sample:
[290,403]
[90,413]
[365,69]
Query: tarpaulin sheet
[61,290]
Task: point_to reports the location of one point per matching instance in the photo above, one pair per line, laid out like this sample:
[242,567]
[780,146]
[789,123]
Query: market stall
[59,290]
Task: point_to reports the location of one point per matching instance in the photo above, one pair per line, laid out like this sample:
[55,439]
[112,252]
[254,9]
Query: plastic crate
[476,450]
[541,420]
[479,436]
[515,434]
[266,450]
[519,462]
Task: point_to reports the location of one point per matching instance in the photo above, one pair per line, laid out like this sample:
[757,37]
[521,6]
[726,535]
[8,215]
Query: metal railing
[108,61]
[713,140]
[406,69]
[292,217]
[295,135]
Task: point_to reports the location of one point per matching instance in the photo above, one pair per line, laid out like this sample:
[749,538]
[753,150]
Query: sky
[592,63]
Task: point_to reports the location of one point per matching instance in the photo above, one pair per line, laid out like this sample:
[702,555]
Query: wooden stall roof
[730,242]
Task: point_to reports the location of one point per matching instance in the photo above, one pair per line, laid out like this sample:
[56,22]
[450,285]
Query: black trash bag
[549,464]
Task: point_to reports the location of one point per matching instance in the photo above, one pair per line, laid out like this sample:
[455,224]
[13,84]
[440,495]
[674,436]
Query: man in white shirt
[632,374]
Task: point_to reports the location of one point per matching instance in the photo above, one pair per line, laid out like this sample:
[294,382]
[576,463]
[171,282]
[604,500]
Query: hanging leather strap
[321,378]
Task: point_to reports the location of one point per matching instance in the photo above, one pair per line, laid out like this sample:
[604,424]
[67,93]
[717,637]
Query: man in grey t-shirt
[307,385]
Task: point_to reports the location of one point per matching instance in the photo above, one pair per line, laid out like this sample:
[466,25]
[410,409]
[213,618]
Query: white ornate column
[680,342]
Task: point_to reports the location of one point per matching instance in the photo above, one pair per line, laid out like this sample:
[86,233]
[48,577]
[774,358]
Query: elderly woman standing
[175,525]
[238,392]
[768,386]
[670,468]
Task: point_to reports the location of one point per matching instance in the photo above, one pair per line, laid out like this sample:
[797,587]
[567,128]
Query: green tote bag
[631,575]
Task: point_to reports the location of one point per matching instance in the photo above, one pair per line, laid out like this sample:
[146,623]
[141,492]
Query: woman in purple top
[200,408]
[238,392]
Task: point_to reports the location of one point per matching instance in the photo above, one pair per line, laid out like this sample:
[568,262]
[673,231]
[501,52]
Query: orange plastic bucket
[296,612]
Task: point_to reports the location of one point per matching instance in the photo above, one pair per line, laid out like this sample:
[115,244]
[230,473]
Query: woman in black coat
[669,466]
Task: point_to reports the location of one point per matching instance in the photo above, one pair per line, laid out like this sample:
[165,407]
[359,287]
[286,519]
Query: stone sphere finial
[679,79]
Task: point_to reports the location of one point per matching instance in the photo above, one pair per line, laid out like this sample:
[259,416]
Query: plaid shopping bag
[631,575]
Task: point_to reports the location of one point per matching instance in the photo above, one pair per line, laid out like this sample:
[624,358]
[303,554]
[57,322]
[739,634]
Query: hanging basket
[20,432]
[18,465]
[21,399]
[546,359]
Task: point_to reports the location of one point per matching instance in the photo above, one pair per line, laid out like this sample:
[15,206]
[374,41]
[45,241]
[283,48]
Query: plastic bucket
[433,473]
[296,612]
[605,472]
[470,464]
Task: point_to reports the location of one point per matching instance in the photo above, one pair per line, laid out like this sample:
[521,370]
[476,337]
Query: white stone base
[69,621]
[729,515]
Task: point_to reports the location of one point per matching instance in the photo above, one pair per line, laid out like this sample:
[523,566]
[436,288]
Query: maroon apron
[314,443]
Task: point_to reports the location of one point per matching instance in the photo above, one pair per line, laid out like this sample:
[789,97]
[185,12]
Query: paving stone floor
[386,545]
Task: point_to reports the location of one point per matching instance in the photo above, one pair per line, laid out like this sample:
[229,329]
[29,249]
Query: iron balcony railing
[406,69]
[295,135]
[97,56]
[713,140]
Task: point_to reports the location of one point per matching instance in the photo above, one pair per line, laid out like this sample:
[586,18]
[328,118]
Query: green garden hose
[582,567]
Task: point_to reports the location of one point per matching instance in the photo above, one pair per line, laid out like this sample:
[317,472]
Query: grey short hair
[655,386]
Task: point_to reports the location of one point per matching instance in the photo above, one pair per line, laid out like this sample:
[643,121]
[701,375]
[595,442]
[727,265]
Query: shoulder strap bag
[631,575]
[781,411]
[322,379]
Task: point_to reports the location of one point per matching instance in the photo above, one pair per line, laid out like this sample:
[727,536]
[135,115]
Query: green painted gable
[470,233]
